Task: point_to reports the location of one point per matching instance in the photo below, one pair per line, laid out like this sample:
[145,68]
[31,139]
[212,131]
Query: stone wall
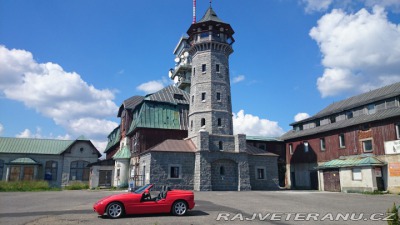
[270,164]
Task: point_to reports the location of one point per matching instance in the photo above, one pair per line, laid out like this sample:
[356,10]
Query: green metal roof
[262,138]
[156,115]
[123,153]
[352,161]
[34,146]
[113,138]
[25,161]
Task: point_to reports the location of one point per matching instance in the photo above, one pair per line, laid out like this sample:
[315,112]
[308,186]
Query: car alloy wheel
[179,208]
[115,210]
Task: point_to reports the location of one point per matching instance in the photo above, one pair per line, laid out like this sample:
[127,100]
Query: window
[218,96]
[194,71]
[174,171]
[371,109]
[342,143]
[191,125]
[203,122]
[220,145]
[81,149]
[305,146]
[222,171]
[217,68]
[179,97]
[192,99]
[398,130]
[203,96]
[118,172]
[50,172]
[1,169]
[260,173]
[203,68]
[262,146]
[367,145]
[349,115]
[322,142]
[79,170]
[219,122]
[357,175]
[291,149]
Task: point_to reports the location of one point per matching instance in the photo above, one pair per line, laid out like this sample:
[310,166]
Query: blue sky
[66,66]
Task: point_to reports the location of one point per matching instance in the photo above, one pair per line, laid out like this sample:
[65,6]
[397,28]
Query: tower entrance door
[224,175]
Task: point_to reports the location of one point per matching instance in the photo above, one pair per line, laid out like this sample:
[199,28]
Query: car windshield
[140,190]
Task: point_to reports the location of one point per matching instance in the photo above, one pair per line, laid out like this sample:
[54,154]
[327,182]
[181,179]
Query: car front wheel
[179,208]
[115,210]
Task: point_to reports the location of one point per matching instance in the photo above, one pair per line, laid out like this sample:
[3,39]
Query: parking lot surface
[252,207]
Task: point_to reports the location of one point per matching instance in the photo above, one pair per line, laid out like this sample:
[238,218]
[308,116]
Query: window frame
[356,178]
[363,144]
[179,166]
[84,175]
[306,146]
[322,144]
[53,170]
[203,68]
[342,140]
[263,172]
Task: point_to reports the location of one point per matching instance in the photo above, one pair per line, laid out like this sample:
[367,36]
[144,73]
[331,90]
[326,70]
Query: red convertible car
[177,202]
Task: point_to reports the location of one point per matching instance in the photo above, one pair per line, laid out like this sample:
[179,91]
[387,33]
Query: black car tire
[115,210]
[179,208]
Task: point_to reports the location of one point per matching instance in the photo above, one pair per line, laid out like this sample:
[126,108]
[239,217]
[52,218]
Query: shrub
[25,186]
[395,218]
[77,186]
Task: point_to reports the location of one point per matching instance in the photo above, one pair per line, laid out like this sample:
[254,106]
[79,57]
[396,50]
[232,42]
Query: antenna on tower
[194,12]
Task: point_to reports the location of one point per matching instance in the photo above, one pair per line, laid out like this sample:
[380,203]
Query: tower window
[203,68]
[219,122]
[218,96]
[192,99]
[222,171]
[217,68]
[203,96]
[191,125]
[194,71]
[203,122]
[220,145]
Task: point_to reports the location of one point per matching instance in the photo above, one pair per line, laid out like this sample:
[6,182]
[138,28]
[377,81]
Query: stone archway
[224,175]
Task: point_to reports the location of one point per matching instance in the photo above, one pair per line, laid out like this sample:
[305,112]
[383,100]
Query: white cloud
[154,85]
[63,96]
[301,116]
[1,129]
[255,126]
[311,6]
[316,5]
[361,51]
[28,134]
[238,79]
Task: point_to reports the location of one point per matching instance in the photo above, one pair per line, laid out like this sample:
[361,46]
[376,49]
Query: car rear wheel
[115,210]
[179,208]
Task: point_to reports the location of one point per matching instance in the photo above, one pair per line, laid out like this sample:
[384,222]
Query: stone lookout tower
[221,158]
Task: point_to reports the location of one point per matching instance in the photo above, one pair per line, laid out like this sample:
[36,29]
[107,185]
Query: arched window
[203,122]
[50,171]
[222,171]
[1,169]
[220,145]
[79,170]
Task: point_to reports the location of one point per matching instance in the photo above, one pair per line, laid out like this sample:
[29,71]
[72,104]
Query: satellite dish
[186,54]
[177,59]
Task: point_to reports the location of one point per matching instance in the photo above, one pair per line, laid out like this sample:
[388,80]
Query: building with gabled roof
[351,145]
[60,162]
